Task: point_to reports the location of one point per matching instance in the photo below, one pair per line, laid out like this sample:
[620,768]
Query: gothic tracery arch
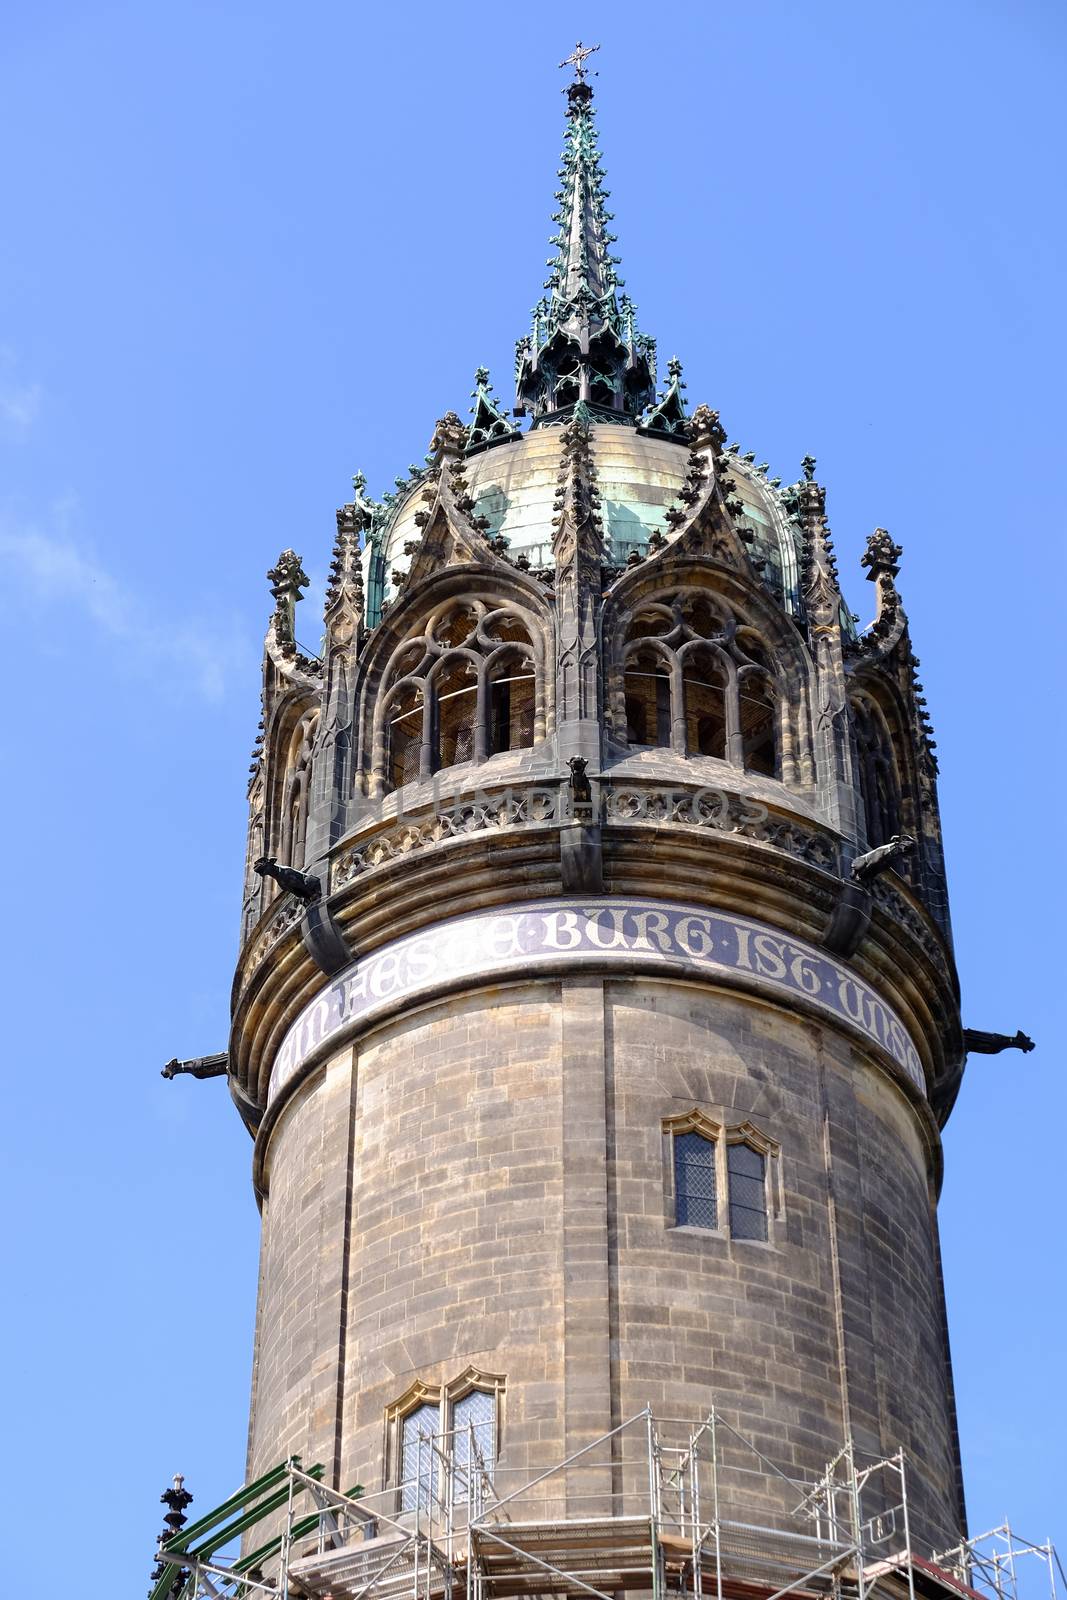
[466,681]
[694,674]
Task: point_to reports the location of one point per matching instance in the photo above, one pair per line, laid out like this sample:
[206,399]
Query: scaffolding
[996,1564]
[656,1506]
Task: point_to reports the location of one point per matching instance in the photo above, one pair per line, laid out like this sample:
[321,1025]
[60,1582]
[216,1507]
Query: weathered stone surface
[486,1184]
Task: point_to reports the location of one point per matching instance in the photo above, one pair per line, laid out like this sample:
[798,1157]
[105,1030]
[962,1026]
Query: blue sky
[250,248]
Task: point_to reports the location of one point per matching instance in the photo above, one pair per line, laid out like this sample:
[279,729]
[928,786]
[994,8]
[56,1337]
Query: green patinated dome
[513,485]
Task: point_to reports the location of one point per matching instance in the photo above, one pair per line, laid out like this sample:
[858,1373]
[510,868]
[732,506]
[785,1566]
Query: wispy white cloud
[20,402]
[54,568]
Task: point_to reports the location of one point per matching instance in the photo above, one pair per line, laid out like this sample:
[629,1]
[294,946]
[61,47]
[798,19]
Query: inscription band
[620,933]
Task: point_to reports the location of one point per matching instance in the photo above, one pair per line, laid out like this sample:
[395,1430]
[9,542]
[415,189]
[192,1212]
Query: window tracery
[698,682]
[469,685]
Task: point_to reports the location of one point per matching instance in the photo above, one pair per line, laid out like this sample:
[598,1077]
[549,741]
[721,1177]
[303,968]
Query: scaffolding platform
[604,1555]
[670,1492]
[386,1566]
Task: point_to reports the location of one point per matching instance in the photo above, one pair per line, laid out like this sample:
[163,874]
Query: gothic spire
[668,415]
[584,345]
[489,425]
[822,593]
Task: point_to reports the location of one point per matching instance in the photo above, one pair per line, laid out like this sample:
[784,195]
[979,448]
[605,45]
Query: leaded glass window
[473,1422]
[746,1175]
[417,1459]
[695,1202]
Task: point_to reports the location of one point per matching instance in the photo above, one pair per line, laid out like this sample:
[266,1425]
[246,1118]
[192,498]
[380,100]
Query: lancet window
[758,717]
[696,682]
[418,1441]
[512,703]
[706,688]
[473,1439]
[469,686]
[696,1186]
[746,1182]
[404,735]
[648,696]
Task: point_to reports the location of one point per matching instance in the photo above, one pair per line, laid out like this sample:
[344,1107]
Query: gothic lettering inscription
[640,934]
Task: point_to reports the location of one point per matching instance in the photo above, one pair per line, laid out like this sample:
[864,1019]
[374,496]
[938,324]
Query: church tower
[595,1016]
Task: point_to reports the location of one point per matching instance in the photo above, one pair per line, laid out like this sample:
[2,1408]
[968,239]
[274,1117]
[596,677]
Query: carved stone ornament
[287,580]
[882,555]
[705,429]
[449,436]
[870,866]
[991,1044]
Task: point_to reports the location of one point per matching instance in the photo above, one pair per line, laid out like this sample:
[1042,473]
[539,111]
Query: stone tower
[595,1015]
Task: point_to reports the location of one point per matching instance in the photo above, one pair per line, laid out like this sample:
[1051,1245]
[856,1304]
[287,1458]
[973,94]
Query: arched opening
[647,687]
[456,707]
[289,828]
[468,684]
[511,704]
[879,786]
[705,683]
[567,389]
[295,821]
[601,389]
[758,717]
[404,722]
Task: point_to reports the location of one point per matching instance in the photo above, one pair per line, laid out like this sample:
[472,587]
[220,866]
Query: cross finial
[577,57]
